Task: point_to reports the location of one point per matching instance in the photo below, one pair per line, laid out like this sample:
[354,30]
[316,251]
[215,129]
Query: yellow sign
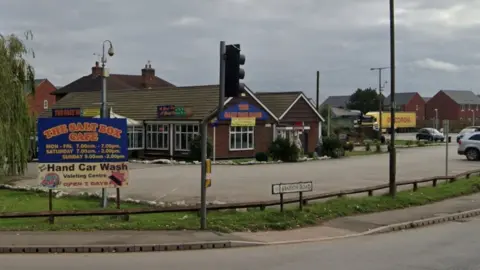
[402,119]
[83,175]
[243,122]
[90,112]
[208,177]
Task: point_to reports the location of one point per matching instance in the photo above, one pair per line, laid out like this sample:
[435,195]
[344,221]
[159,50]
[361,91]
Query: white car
[467,130]
[469,145]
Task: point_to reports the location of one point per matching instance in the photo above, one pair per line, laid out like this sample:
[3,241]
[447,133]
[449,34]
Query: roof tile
[144,106]
[277,102]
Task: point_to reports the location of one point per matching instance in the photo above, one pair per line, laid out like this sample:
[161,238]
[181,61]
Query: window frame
[249,130]
[179,131]
[133,142]
[45,104]
[160,136]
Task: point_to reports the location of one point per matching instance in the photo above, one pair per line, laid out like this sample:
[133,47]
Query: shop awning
[130,122]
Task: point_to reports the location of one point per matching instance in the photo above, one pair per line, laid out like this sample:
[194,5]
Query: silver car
[467,130]
[469,145]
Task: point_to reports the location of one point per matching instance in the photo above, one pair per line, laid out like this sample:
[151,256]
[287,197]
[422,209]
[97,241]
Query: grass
[225,221]
[362,153]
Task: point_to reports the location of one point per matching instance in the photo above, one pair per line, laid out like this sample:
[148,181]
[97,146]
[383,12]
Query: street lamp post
[392,162]
[473,117]
[104,113]
[436,118]
[380,100]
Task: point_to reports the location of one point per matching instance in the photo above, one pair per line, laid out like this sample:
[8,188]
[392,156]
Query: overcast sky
[285,41]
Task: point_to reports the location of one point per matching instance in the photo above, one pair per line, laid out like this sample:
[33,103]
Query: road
[248,183]
[442,247]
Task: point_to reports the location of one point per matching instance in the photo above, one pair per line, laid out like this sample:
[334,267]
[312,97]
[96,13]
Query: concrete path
[253,182]
[335,228]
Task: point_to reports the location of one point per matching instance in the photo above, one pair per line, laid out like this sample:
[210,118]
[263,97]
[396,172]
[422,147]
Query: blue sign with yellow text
[74,140]
[243,110]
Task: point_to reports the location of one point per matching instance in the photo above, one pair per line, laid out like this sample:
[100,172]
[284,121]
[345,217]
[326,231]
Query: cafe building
[162,122]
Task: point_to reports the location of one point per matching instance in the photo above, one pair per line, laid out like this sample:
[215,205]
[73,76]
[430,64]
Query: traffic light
[233,71]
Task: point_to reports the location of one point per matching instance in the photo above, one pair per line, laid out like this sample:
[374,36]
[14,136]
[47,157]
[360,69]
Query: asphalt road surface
[249,183]
[443,247]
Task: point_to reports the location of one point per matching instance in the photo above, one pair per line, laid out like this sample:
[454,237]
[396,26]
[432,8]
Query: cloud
[429,63]
[188,21]
[285,41]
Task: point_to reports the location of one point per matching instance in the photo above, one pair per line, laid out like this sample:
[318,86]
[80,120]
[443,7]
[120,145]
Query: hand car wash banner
[82,152]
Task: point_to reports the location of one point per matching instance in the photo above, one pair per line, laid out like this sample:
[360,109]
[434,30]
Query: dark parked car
[430,134]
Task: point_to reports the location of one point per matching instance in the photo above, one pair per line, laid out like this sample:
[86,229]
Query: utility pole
[329,119]
[318,91]
[380,100]
[392,164]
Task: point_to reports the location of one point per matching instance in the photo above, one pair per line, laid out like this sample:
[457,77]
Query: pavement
[448,246]
[130,241]
[241,183]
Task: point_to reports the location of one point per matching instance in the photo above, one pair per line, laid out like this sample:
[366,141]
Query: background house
[459,106]
[336,101]
[408,102]
[42,99]
[93,82]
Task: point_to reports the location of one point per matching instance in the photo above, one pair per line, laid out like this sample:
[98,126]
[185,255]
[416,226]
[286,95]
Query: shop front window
[241,138]
[184,135]
[157,136]
[135,138]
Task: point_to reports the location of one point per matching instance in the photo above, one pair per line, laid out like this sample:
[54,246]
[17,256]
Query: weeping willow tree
[16,126]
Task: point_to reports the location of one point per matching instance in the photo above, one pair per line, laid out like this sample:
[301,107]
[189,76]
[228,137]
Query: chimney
[96,70]
[148,74]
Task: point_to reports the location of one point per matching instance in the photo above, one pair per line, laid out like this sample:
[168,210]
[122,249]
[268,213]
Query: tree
[16,126]
[364,100]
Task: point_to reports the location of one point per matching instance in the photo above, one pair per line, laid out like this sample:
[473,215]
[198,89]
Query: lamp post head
[111,52]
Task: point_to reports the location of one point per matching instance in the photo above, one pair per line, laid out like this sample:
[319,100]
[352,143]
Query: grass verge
[225,221]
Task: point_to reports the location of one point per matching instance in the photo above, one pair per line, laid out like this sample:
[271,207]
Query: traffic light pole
[204,135]
[222,77]
[203,182]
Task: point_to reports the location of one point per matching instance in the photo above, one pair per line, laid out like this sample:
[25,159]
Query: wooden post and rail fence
[302,200]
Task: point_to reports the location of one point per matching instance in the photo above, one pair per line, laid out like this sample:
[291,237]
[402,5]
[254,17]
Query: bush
[331,146]
[348,146]
[282,149]
[420,143]
[367,146]
[196,148]
[261,156]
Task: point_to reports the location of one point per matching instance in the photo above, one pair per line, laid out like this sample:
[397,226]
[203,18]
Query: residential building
[460,105]
[93,82]
[42,99]
[408,102]
[337,101]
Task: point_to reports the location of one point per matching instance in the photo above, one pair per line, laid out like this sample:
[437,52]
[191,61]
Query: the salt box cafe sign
[243,110]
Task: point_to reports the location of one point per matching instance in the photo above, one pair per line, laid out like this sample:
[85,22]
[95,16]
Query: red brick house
[93,82]
[42,99]
[408,102]
[459,105]
[296,115]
